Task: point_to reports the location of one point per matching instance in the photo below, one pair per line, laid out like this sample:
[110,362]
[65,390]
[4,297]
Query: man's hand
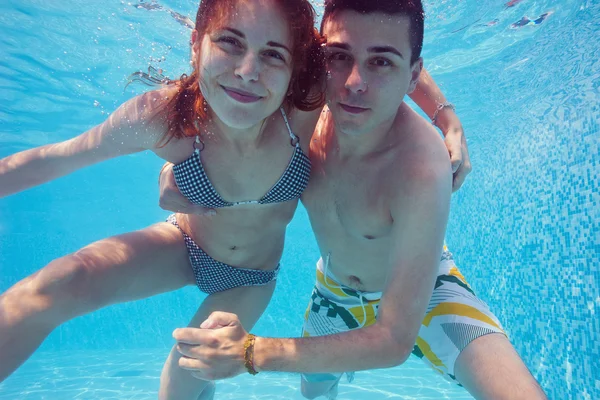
[171,198]
[456,143]
[216,350]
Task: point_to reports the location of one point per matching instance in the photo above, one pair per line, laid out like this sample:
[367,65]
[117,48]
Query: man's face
[369,69]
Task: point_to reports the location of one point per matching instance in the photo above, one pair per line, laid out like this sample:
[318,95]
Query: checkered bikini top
[194,184]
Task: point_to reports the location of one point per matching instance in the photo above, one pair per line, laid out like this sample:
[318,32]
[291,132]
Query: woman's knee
[51,295]
[67,282]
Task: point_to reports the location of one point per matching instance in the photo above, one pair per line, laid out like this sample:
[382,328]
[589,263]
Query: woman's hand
[171,198]
[456,143]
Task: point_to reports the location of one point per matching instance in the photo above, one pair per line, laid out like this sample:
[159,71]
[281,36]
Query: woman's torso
[244,235]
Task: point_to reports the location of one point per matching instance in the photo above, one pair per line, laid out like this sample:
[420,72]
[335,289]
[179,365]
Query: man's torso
[348,201]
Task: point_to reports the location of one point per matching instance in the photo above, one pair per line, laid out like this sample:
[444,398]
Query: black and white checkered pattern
[213,276]
[293,181]
[194,184]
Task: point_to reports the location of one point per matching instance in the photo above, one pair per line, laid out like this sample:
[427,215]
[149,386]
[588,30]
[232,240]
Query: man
[378,201]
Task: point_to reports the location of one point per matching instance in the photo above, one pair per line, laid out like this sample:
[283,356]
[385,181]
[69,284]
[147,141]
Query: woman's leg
[248,302]
[118,269]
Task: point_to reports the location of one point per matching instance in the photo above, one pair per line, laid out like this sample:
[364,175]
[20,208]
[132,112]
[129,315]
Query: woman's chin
[240,118]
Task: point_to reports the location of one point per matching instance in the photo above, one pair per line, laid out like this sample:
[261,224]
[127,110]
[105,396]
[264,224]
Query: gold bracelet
[249,354]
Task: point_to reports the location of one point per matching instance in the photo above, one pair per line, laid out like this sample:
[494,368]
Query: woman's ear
[195,44]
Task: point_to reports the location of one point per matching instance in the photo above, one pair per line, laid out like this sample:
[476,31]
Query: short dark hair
[413,9]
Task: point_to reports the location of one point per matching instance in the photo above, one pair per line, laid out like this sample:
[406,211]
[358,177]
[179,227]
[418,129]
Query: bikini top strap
[198,144]
[294,139]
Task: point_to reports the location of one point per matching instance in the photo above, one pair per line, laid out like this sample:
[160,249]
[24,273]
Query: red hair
[187,108]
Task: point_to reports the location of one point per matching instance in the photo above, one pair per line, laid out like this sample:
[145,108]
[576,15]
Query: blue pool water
[524,229]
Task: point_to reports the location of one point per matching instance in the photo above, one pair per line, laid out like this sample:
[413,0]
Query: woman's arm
[427,95]
[127,130]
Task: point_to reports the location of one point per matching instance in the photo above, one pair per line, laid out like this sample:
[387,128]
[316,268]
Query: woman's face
[245,63]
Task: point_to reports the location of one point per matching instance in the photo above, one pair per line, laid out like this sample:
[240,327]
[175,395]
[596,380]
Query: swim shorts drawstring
[336,286]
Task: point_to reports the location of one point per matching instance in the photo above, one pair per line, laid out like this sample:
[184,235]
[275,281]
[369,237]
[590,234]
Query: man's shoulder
[421,157]
[412,127]
[318,142]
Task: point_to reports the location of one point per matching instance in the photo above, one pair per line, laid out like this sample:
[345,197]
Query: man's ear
[416,69]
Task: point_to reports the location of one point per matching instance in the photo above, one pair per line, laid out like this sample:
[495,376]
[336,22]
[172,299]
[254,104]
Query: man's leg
[462,339]
[332,309]
[490,368]
[315,385]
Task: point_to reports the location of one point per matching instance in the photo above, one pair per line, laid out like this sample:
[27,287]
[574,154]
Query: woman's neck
[238,137]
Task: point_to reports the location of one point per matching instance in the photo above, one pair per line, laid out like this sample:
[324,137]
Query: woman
[225,128]
[237,130]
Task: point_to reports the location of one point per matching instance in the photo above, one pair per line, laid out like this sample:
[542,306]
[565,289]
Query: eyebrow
[275,44]
[373,49]
[269,43]
[384,49]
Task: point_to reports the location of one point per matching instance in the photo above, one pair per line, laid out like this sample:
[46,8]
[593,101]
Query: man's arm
[420,212]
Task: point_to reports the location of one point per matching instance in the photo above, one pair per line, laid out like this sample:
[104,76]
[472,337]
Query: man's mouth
[352,109]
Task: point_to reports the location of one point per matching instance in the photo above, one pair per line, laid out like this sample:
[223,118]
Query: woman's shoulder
[144,107]
[146,113]
[303,123]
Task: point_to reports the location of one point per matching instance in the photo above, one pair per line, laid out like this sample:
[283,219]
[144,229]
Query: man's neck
[377,139]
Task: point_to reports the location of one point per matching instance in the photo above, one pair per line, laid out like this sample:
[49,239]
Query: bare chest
[348,198]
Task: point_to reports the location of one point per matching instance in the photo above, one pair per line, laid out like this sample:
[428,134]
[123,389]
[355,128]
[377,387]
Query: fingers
[460,176]
[176,202]
[187,350]
[171,199]
[198,375]
[197,367]
[454,146]
[209,324]
[456,157]
[456,161]
[459,157]
[190,336]
[173,205]
[220,319]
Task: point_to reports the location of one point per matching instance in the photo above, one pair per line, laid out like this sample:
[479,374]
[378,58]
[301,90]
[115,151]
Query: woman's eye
[274,54]
[381,62]
[338,57]
[229,40]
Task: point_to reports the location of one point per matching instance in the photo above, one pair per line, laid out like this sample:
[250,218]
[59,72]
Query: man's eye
[381,62]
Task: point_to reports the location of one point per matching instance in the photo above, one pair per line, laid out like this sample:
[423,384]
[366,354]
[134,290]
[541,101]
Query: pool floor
[135,374]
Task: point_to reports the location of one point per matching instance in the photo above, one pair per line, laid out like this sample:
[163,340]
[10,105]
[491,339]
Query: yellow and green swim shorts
[454,317]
